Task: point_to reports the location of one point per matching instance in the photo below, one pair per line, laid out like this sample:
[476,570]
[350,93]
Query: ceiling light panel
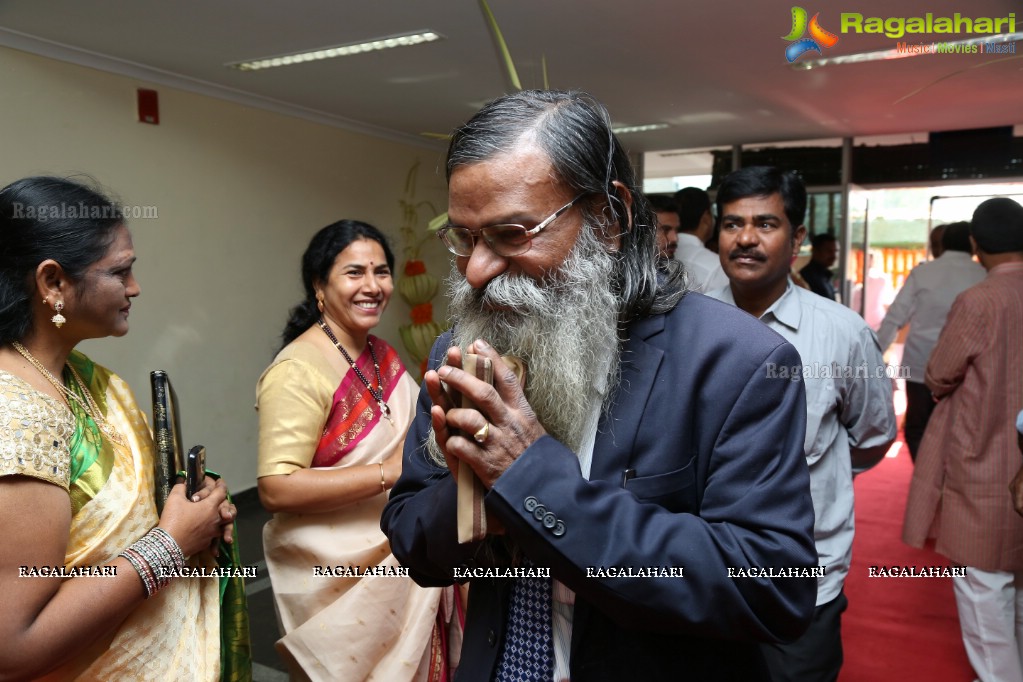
[346,50]
[622,130]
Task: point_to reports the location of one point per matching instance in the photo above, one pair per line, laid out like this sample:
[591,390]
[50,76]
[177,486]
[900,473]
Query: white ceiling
[715,73]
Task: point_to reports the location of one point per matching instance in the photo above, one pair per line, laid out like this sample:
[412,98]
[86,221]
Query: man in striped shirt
[969,451]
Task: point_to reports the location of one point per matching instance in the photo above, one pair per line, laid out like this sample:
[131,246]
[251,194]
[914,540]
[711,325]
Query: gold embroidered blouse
[35,433]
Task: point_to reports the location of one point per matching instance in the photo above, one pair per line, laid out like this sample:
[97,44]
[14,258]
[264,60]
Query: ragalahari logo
[819,37]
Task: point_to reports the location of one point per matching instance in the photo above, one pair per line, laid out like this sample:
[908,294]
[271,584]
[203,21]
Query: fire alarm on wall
[149,106]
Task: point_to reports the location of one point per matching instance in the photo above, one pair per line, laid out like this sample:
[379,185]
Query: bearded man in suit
[649,437]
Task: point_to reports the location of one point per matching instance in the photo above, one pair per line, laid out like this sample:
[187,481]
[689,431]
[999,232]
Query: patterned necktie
[528,654]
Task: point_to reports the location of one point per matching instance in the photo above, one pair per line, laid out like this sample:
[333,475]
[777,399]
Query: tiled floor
[267,665]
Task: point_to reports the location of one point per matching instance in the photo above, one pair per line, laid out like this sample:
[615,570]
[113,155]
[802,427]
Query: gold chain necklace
[89,406]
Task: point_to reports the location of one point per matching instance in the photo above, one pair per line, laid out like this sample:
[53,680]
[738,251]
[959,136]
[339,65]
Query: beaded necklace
[378,392]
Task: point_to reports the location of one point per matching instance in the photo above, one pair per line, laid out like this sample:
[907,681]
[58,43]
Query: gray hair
[574,130]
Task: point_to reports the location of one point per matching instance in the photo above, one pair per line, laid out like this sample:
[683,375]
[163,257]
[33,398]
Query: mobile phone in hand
[195,470]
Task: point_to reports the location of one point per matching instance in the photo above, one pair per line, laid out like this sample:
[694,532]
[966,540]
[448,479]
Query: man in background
[666,225]
[969,453]
[696,224]
[850,416]
[876,292]
[935,241]
[817,273]
[923,303]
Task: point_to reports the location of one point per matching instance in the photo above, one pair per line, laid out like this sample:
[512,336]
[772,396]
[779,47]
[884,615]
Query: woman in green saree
[89,574]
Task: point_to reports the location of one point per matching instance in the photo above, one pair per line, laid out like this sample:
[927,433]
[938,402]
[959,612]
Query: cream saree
[175,635]
[343,627]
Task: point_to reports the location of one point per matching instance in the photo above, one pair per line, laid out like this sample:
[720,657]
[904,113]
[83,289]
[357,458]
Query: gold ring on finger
[481,435]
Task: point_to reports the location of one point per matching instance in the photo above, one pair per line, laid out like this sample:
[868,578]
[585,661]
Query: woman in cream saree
[331,436]
[176,633]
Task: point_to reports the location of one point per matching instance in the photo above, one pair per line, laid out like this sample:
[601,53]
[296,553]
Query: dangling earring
[58,320]
[319,303]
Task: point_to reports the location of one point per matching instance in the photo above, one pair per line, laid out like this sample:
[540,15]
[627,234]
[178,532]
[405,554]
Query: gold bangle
[383,481]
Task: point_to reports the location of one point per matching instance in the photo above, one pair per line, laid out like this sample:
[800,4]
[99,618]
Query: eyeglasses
[504,240]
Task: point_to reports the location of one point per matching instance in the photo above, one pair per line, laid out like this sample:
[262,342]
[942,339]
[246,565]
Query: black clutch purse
[167,436]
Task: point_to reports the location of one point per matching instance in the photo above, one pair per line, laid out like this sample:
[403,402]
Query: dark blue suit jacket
[720,482]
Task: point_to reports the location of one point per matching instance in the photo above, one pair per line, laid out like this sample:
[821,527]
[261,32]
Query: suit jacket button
[530,503]
[559,528]
[491,638]
[539,512]
[550,521]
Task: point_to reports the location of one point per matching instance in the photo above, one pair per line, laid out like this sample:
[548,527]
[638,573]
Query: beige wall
[238,193]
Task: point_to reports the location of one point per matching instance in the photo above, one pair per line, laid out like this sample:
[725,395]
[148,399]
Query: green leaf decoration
[502,47]
[437,223]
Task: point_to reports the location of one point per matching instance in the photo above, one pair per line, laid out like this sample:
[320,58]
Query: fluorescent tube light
[385,43]
[621,130]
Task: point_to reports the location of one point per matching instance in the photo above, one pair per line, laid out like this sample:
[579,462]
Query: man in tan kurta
[968,455]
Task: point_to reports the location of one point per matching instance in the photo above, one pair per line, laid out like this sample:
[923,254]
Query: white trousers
[990,605]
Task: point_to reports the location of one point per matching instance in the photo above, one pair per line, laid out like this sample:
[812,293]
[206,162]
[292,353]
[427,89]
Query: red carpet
[898,629]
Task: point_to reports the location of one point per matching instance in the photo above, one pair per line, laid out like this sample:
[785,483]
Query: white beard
[565,329]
